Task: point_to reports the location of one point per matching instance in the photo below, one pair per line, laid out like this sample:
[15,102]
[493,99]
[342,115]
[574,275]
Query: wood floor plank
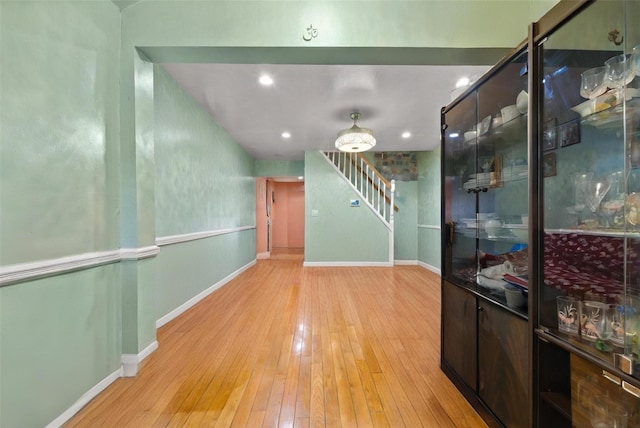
[285,346]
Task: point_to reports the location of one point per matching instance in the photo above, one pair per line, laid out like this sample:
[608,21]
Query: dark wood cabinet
[503,357]
[484,347]
[459,340]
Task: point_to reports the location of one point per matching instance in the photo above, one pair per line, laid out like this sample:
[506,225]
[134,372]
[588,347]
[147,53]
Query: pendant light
[355,139]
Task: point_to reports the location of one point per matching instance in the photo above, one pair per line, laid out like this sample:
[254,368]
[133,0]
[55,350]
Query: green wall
[429,209]
[204,182]
[79,160]
[59,192]
[339,233]
[273,168]
[406,221]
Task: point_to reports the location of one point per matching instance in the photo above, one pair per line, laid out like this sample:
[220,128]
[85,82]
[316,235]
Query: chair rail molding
[19,272]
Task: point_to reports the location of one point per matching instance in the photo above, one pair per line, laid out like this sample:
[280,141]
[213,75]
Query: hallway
[283,345]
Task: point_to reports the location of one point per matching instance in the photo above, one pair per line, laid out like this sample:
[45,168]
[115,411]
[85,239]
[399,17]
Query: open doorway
[279,217]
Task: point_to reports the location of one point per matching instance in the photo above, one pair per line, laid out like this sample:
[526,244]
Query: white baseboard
[263,256]
[346,264]
[191,302]
[431,268]
[84,399]
[405,262]
[130,362]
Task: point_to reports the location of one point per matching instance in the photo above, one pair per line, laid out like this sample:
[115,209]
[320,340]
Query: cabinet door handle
[480,309]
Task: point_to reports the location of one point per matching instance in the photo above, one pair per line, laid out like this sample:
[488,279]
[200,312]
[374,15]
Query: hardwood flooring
[287,346]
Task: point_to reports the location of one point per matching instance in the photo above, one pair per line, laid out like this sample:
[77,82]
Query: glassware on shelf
[593,84]
[594,192]
[592,314]
[568,314]
[635,60]
[619,73]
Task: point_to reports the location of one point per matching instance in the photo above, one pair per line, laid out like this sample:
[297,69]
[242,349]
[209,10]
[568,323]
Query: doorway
[279,216]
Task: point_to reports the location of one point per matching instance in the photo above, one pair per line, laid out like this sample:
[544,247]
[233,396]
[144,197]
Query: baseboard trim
[263,256]
[429,267]
[347,264]
[186,237]
[405,262]
[84,399]
[130,362]
[191,302]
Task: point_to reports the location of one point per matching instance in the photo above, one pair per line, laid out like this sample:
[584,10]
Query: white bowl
[509,113]
[516,298]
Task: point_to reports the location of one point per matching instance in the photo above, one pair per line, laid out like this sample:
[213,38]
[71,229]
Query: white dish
[483,127]
[604,102]
[509,113]
[470,135]
[522,102]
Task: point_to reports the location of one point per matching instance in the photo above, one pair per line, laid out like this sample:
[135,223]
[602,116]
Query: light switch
[314,213]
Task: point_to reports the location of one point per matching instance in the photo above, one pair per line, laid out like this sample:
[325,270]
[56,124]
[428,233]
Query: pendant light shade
[355,139]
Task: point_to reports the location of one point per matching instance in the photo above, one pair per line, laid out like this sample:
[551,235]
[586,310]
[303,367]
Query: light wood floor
[287,346]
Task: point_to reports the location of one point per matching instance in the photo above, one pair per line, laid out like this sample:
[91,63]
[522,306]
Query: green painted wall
[429,208]
[59,193]
[339,233]
[204,182]
[58,113]
[271,168]
[406,221]
[78,162]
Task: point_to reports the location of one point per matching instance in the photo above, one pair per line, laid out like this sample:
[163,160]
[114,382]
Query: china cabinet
[587,293]
[484,319]
[541,225]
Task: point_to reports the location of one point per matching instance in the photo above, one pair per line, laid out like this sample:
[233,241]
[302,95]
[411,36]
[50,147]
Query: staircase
[376,191]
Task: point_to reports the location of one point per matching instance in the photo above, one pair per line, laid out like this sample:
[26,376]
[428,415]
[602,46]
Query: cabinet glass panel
[590,296]
[486,172]
[460,203]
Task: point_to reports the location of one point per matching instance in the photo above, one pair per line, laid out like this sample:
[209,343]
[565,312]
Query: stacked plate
[515,172]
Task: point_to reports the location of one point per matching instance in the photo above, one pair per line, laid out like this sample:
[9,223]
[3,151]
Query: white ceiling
[313,103]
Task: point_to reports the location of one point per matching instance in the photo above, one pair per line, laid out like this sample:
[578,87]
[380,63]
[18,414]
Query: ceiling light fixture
[286,134]
[406,134]
[355,139]
[265,80]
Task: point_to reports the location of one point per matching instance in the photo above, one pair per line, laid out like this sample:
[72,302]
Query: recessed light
[464,81]
[300,177]
[406,134]
[286,134]
[265,80]
[454,135]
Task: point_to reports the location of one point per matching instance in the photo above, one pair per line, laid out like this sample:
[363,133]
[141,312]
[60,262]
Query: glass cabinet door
[590,119]
[485,187]
[460,261]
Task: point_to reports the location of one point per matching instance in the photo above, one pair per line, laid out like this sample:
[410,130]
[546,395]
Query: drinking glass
[635,60]
[619,73]
[592,83]
[594,192]
[592,315]
[568,314]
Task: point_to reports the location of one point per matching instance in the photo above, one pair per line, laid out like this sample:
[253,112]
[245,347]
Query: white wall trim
[84,399]
[191,302]
[431,268]
[406,262]
[31,270]
[130,362]
[263,256]
[186,237]
[139,253]
[429,226]
[346,264]
[19,272]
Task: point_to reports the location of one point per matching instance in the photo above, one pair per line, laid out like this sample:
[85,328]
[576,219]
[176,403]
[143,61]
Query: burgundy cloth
[581,263]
